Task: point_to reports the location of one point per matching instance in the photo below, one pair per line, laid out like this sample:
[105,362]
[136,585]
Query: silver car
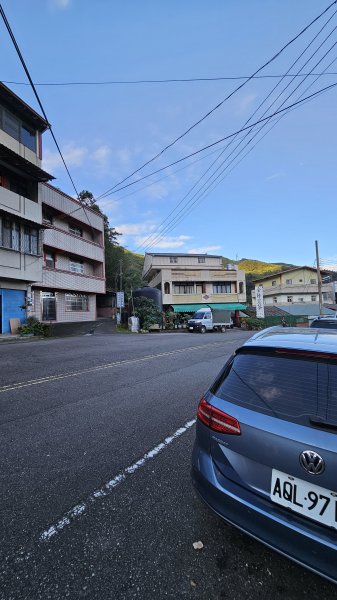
[265,454]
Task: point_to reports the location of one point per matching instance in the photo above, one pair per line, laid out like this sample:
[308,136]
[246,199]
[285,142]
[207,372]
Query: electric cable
[150,81]
[221,102]
[153,238]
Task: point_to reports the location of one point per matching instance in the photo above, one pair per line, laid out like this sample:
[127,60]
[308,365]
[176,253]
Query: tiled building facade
[73,260]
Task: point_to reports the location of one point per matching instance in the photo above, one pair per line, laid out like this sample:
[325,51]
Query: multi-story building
[73,260]
[21,129]
[298,285]
[188,281]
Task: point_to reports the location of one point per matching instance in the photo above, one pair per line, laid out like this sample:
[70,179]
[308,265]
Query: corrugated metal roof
[308,310]
[187,308]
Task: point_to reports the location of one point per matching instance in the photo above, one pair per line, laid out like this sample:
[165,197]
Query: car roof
[295,338]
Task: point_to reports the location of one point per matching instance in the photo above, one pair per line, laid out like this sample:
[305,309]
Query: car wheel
[223,329]
[203,329]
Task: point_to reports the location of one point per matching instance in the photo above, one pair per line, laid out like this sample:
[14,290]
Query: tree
[110,233]
[117,259]
[147,312]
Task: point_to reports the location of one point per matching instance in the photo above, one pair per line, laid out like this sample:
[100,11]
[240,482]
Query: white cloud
[73,156]
[274,176]
[244,104]
[62,4]
[124,155]
[136,228]
[164,242]
[101,155]
[204,249]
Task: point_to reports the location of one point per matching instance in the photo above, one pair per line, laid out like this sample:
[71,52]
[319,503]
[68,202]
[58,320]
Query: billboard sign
[120,299]
[259,301]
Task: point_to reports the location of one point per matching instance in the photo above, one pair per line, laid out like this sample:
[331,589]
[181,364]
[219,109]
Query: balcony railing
[62,240]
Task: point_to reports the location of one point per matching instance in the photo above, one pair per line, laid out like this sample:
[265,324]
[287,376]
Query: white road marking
[75,512]
[118,363]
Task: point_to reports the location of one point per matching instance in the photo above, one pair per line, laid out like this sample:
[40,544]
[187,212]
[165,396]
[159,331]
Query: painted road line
[118,363]
[79,509]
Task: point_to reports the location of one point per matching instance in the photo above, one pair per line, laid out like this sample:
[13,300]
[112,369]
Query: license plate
[305,498]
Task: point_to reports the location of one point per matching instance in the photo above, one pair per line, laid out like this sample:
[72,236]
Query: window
[201,288]
[30,240]
[78,302]
[49,260]
[301,299]
[201,259]
[281,386]
[325,296]
[47,217]
[300,280]
[275,299]
[166,287]
[76,266]
[183,288]
[28,138]
[240,287]
[76,230]
[313,298]
[18,130]
[273,282]
[173,259]
[289,298]
[313,281]
[10,234]
[289,281]
[222,287]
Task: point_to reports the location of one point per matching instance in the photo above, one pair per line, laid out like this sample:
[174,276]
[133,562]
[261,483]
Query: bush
[33,326]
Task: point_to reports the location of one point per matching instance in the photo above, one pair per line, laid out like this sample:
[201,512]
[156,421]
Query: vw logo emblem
[312,462]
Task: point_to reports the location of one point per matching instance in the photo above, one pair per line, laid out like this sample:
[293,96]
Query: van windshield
[199,315]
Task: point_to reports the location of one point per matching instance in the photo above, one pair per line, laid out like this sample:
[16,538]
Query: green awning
[191,308]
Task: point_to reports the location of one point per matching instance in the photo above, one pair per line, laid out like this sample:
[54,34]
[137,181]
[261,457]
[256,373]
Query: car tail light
[216,419]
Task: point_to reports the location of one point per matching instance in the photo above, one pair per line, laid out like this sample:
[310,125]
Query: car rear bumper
[283,534]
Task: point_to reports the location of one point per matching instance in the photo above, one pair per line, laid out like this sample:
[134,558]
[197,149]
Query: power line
[184,212]
[220,103]
[328,87]
[153,238]
[153,81]
[11,34]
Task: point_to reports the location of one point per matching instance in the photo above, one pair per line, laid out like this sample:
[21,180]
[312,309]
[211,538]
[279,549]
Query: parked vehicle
[325,322]
[207,319]
[265,454]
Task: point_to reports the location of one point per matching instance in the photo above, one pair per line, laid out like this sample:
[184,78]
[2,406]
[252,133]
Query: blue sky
[273,204]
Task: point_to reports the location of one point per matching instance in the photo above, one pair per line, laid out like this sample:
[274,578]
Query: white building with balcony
[73,259]
[191,281]
[21,129]
[298,285]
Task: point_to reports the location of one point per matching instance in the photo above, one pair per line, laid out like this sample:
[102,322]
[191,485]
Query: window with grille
[173,259]
[50,260]
[222,287]
[183,288]
[10,234]
[201,259]
[30,240]
[77,302]
[76,266]
[76,230]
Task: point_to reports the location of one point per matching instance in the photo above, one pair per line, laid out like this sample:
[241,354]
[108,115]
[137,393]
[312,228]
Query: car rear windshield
[282,385]
[324,324]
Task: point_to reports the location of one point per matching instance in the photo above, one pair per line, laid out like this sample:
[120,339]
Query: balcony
[76,282]
[68,206]
[20,206]
[72,244]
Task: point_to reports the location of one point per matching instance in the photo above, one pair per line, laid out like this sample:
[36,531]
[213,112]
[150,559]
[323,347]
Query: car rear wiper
[319,422]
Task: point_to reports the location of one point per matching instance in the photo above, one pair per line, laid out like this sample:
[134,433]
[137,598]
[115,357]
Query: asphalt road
[96,500]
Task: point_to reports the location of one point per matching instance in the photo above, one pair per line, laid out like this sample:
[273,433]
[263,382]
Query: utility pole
[319,279]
